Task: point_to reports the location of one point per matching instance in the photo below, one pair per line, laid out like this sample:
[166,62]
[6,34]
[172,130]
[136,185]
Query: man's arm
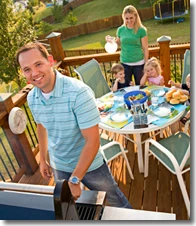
[91,135]
[43,147]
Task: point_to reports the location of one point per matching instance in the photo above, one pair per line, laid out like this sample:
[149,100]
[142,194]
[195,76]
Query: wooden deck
[158,192]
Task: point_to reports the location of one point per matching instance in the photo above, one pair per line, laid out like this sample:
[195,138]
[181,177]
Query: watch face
[74,180]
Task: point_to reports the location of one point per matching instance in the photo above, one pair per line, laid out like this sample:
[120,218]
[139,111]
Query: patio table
[127,127]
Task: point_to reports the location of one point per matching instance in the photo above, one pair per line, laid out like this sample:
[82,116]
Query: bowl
[132,94]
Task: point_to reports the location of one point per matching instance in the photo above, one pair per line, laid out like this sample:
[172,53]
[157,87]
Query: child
[152,73]
[185,87]
[186,90]
[119,75]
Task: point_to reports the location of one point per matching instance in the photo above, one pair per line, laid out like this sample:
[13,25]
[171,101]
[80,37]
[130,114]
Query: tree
[16,29]
[72,19]
[57,12]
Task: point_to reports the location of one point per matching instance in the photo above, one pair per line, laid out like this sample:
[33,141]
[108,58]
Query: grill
[37,202]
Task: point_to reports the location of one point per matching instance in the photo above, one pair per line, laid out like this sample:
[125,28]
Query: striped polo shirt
[70,108]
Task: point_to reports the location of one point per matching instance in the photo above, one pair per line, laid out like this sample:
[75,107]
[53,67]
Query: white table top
[114,213]
[129,128]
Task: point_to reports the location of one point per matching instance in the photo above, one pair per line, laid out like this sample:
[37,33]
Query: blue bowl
[134,93]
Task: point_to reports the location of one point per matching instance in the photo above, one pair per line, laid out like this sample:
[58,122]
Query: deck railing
[18,152]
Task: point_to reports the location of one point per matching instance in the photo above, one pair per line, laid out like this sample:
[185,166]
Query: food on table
[183,98]
[169,94]
[176,96]
[174,101]
[104,106]
[147,92]
[107,98]
[136,97]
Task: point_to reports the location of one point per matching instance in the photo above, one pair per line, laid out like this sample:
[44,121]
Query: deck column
[165,57]
[57,49]
[18,142]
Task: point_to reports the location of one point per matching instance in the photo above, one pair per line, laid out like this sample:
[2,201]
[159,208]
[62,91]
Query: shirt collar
[58,87]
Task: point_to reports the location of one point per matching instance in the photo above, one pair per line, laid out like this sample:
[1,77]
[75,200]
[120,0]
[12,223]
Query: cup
[155,101]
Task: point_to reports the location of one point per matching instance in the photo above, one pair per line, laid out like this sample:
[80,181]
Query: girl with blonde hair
[152,73]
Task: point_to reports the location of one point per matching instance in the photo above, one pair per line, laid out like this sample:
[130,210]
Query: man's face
[37,69]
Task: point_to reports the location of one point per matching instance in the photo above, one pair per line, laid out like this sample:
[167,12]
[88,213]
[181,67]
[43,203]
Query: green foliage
[57,12]
[15,30]
[175,72]
[43,28]
[72,19]
[34,2]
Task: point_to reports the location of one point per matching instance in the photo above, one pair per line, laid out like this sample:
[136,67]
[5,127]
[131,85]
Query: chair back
[187,66]
[90,73]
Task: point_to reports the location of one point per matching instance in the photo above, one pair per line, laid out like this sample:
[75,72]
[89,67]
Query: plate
[105,106]
[107,98]
[120,116]
[162,112]
[161,93]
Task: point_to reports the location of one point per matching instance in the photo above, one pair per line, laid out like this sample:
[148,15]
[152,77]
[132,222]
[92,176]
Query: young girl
[152,73]
[119,74]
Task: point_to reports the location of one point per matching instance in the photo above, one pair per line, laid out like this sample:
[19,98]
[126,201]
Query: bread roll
[176,95]
[174,101]
[169,94]
[167,98]
[180,92]
[183,98]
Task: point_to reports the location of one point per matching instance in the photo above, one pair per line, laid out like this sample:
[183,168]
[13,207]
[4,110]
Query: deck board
[143,193]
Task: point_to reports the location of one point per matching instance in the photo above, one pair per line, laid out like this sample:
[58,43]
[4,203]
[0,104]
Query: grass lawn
[91,11]
[179,33]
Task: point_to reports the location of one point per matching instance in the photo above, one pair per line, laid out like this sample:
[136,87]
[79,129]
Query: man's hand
[46,170]
[75,190]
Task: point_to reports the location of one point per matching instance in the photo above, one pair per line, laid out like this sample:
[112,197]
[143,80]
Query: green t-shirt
[131,46]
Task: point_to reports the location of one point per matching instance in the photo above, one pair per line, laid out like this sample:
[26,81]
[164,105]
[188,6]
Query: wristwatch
[74,180]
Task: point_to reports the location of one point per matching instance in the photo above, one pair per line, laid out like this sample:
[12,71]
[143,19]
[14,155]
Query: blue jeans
[100,179]
[136,71]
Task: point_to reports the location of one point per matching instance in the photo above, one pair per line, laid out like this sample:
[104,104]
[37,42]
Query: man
[67,120]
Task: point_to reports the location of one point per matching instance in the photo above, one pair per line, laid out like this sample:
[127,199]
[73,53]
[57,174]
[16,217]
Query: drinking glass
[154,100]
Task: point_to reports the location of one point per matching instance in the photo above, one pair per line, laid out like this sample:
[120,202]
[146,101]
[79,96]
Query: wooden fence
[98,25]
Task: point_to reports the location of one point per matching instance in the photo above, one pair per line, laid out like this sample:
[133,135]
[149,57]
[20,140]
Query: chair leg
[128,166]
[146,159]
[127,162]
[184,192]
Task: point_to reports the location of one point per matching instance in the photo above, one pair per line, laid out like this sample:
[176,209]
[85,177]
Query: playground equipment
[170,9]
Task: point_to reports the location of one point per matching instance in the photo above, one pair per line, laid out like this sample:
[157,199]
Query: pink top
[155,80]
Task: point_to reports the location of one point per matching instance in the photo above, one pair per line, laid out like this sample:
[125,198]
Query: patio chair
[174,153]
[187,66]
[90,73]
[111,149]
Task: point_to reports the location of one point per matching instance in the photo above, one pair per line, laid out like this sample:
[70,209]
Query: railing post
[56,47]
[165,57]
[19,143]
